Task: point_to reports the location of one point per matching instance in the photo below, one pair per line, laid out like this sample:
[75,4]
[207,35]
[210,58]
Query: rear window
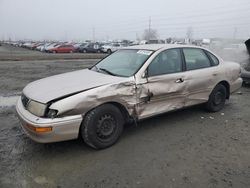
[195,59]
[214,59]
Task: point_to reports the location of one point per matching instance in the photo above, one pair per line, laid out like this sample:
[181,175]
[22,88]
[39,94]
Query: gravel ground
[187,148]
[15,75]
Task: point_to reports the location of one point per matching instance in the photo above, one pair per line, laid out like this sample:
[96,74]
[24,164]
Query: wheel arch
[120,106]
[227,86]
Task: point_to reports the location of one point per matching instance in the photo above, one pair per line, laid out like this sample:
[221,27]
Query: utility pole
[189,34]
[149,28]
[93,33]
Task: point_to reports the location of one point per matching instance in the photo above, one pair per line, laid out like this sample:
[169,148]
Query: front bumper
[65,128]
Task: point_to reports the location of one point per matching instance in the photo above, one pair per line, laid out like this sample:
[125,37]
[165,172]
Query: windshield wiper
[107,71]
[97,69]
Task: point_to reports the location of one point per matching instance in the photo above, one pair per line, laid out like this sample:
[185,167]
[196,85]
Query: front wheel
[102,126]
[217,99]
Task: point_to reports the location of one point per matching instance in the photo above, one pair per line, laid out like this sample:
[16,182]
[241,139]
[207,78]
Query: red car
[63,49]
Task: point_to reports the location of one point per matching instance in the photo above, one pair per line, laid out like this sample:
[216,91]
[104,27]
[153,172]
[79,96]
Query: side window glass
[214,59]
[166,62]
[195,59]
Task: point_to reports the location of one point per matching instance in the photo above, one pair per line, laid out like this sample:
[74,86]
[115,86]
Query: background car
[112,47]
[247,43]
[245,73]
[90,48]
[50,46]
[63,49]
[39,47]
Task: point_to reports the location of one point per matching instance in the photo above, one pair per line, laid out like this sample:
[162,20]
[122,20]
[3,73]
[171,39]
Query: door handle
[180,80]
[148,97]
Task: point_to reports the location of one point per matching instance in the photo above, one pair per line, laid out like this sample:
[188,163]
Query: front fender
[122,93]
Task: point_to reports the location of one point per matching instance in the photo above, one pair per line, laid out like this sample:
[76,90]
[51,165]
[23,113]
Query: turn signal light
[39,129]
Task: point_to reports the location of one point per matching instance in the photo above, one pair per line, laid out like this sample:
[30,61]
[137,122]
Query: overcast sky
[122,19]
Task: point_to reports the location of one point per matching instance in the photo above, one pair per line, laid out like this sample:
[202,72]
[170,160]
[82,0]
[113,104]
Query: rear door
[201,75]
[165,85]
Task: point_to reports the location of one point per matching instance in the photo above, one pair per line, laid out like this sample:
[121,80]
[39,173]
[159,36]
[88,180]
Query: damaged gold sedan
[129,85]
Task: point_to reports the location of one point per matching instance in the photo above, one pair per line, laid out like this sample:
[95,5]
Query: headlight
[36,108]
[51,113]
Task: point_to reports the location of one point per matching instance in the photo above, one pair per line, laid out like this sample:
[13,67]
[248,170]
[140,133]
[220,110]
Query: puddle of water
[8,101]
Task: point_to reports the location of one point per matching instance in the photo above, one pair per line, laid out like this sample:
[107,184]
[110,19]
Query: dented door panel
[160,94]
[200,84]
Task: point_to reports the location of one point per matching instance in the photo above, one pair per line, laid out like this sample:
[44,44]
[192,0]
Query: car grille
[25,100]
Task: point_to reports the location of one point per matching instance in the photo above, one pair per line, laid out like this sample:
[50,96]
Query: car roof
[156,47]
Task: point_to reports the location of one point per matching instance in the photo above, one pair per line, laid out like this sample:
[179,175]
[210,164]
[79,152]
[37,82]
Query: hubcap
[218,98]
[106,127]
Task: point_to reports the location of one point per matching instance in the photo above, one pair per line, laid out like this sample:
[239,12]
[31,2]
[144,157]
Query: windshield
[123,62]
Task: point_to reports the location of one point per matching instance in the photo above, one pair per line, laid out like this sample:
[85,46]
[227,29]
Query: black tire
[102,126]
[109,51]
[217,99]
[84,51]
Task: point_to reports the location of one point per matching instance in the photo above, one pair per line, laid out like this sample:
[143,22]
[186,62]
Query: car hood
[54,87]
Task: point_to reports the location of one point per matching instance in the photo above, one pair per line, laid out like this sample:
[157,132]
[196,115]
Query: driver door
[164,89]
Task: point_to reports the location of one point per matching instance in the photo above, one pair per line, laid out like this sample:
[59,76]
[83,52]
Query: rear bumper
[236,85]
[65,128]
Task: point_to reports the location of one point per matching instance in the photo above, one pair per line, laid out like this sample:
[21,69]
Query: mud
[187,148]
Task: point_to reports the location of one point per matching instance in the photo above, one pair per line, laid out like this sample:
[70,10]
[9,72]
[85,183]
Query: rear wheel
[102,126]
[217,99]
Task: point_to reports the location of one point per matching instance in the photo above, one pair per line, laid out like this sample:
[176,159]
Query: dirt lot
[187,148]
[13,53]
